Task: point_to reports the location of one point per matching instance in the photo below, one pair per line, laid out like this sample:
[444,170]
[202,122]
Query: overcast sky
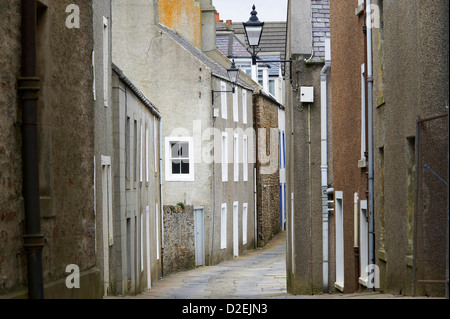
[239,10]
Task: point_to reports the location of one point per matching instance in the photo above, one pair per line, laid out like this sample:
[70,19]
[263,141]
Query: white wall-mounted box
[307,94]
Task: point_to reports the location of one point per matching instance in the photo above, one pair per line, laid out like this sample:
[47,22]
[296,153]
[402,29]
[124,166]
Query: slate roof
[230,46]
[216,69]
[238,50]
[136,91]
[274,66]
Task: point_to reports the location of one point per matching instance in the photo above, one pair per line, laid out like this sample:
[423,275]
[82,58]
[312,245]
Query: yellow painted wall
[183,16]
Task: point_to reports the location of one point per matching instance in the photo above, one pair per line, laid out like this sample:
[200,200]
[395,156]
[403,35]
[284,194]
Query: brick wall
[320,26]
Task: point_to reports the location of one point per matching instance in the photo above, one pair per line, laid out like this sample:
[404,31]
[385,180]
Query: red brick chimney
[218,17]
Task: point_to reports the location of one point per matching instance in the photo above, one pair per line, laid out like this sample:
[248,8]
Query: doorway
[199,224]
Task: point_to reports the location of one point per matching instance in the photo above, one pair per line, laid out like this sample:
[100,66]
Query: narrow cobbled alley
[260,273]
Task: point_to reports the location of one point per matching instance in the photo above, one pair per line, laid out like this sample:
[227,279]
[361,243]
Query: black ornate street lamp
[233,75]
[253,30]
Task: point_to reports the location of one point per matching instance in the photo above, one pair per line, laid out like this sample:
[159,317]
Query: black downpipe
[29,86]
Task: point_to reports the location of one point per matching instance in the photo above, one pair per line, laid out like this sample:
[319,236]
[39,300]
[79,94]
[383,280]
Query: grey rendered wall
[103,121]
[230,192]
[411,81]
[66,129]
[137,231]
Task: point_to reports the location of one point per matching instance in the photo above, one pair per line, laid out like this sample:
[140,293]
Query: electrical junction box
[307,94]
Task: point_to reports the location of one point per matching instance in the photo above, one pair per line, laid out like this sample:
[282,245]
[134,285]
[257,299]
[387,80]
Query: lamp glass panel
[253,35]
[233,76]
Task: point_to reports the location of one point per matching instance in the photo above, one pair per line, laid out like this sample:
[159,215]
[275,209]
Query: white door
[199,225]
[236,229]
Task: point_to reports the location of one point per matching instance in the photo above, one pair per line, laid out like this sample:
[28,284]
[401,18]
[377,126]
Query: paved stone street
[259,274]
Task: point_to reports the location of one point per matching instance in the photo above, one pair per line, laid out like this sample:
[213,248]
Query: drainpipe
[29,86]
[310,204]
[370,133]
[324,161]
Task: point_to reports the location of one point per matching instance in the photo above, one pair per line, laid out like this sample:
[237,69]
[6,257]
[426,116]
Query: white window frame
[245,158]
[339,212]
[235,229]
[236,157]
[223,226]
[147,165]
[157,229]
[244,223]
[94,91]
[224,157]
[236,106]
[245,65]
[141,155]
[106,65]
[363,112]
[168,169]
[149,274]
[142,242]
[223,100]
[291,221]
[107,198]
[363,244]
[244,106]
[155,149]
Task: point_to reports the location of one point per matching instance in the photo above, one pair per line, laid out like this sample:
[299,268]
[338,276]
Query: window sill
[180,179]
[363,281]
[362,163]
[382,255]
[359,10]
[409,260]
[339,286]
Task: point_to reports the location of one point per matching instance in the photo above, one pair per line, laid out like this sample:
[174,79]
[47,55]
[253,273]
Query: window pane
[175,149]
[184,150]
[185,167]
[176,167]
[272,87]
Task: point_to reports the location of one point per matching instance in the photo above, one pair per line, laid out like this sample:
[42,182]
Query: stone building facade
[304,159]
[67,137]
[137,216]
[410,105]
[349,128]
[180,78]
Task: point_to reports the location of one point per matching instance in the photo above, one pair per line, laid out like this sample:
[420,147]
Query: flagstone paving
[259,274]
